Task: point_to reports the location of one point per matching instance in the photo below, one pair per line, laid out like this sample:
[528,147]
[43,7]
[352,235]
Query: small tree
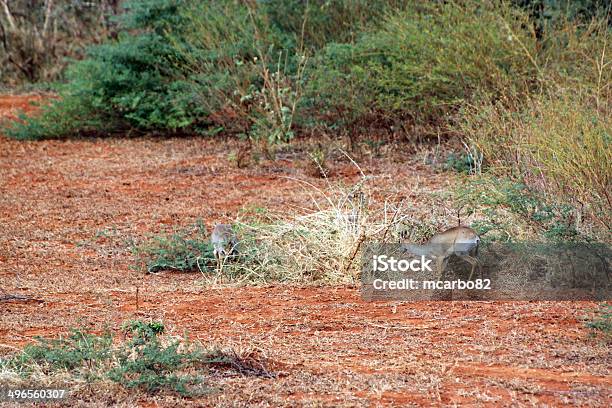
[36,35]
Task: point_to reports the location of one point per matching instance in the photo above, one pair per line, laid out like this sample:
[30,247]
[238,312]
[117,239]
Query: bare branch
[8,14]
[48,16]
[3,39]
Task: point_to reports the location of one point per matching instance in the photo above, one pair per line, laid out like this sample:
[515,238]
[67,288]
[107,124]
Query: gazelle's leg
[218,259]
[472,261]
[441,263]
[444,265]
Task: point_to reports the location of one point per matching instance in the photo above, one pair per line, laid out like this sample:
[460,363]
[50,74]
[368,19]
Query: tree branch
[47,23]
[3,38]
[8,14]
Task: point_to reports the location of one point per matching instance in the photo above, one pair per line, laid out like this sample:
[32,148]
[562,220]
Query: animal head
[224,240]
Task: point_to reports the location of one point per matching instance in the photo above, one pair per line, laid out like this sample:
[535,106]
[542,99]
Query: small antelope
[224,241]
[460,241]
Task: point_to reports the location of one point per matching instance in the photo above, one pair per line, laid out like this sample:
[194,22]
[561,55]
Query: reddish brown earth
[68,208]
[11,105]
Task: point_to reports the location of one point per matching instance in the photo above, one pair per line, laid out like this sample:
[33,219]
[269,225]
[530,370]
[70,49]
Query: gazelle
[460,241]
[224,242]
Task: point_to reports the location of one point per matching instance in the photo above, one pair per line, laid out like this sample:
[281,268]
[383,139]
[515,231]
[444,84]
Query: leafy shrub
[147,359]
[320,22]
[133,82]
[183,251]
[425,62]
[69,116]
[511,211]
[246,72]
[263,70]
[461,163]
[144,331]
[558,140]
[71,353]
[177,66]
[145,363]
[556,144]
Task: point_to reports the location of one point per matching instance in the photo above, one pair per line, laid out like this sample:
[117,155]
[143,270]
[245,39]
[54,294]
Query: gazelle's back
[456,240]
[459,241]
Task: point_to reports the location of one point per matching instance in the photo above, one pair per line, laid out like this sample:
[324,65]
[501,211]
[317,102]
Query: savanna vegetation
[147,360]
[38,39]
[524,85]
[517,92]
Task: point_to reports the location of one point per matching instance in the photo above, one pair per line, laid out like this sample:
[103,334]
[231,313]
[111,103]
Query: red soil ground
[68,207]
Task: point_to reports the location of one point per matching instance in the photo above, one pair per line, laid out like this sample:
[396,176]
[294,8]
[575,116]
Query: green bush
[146,359]
[510,211]
[178,66]
[556,141]
[425,62]
[70,115]
[557,144]
[145,363]
[133,82]
[248,63]
[264,69]
[221,52]
[184,251]
[460,162]
[320,22]
[77,350]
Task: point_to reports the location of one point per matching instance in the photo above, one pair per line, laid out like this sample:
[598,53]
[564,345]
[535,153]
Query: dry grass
[323,243]
[136,365]
[556,141]
[557,145]
[334,348]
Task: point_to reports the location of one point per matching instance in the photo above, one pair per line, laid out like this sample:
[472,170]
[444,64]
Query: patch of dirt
[68,209]
[11,105]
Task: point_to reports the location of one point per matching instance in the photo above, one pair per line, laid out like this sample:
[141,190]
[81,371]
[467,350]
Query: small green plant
[424,62]
[184,251]
[143,331]
[461,163]
[513,211]
[601,324]
[145,362]
[80,352]
[190,250]
[147,359]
